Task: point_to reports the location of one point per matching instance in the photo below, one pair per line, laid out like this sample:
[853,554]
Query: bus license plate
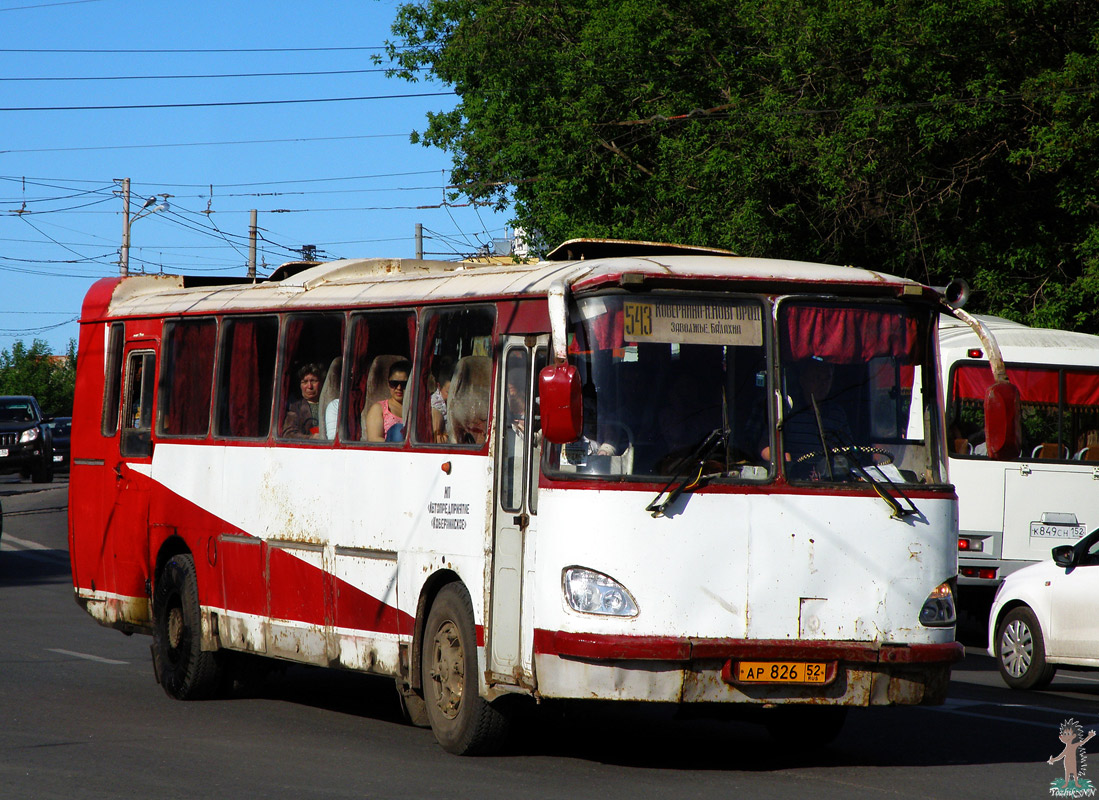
[781,672]
[3,452]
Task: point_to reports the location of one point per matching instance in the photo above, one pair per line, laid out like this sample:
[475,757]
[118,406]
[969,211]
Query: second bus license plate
[781,672]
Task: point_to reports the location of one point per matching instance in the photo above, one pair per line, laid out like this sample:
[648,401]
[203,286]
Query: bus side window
[311,342]
[377,342]
[458,344]
[187,377]
[137,413]
[112,384]
[246,377]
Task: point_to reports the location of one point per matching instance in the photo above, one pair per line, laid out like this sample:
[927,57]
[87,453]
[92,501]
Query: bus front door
[509,641]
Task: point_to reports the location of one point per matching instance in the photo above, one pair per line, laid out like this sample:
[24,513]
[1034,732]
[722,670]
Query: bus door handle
[521,520]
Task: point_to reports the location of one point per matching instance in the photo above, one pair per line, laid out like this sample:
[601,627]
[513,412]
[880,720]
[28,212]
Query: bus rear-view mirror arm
[1003,405]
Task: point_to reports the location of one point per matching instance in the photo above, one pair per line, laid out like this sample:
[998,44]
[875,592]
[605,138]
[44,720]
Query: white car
[1047,615]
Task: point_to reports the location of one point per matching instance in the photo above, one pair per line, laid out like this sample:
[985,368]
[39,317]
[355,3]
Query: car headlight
[28,435]
[591,592]
[938,609]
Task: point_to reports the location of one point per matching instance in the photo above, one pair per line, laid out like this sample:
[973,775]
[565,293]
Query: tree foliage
[928,139]
[36,371]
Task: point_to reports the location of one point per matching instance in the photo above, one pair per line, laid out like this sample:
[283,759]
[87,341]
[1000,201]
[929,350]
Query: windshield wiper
[899,511]
[688,473]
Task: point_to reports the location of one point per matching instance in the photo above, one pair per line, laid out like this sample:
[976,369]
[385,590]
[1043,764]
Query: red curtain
[849,335]
[360,368]
[189,378]
[244,388]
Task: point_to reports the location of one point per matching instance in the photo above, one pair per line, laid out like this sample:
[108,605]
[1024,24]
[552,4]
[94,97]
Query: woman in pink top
[385,419]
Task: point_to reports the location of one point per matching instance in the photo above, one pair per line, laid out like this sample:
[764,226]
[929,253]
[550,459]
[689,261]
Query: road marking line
[24,543]
[86,656]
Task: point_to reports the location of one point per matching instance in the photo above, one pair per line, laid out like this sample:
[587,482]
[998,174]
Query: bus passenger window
[187,377]
[378,385]
[311,343]
[137,414]
[112,384]
[456,412]
[246,378]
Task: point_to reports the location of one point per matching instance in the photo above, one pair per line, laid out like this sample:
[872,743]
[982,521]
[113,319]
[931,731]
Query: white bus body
[1014,510]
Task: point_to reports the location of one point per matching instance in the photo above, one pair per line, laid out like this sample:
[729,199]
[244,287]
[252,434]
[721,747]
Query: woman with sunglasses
[385,419]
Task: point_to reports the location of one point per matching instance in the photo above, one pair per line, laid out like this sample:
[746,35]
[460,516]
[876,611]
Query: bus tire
[1021,651]
[42,472]
[463,722]
[183,668]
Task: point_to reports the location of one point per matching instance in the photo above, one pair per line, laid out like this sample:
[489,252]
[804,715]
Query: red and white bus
[597,510]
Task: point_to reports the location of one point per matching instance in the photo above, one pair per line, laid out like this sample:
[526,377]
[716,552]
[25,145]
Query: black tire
[183,669]
[814,726]
[463,722]
[43,472]
[1021,651]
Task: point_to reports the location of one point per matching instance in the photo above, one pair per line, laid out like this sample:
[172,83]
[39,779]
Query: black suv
[26,441]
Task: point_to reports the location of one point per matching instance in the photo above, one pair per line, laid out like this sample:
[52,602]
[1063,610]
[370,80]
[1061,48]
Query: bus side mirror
[561,404]
[1003,420]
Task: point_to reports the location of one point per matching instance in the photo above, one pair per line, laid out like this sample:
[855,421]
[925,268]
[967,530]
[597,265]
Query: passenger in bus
[302,415]
[801,430]
[467,406]
[443,373]
[385,419]
[330,399]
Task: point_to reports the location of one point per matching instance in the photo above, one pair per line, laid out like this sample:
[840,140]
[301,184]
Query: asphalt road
[81,716]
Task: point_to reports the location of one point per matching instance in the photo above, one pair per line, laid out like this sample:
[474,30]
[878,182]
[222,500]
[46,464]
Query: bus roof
[393,281]
[1018,342]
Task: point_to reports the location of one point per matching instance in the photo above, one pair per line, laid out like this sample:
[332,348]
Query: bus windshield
[670,381]
[853,407]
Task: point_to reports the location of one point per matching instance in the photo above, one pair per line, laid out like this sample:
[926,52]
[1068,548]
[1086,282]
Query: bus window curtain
[244,388]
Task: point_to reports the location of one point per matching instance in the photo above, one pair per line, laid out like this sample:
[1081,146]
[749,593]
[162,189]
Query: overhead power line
[60,78]
[229,103]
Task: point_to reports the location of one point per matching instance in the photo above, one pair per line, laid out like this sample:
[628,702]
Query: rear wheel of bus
[463,722]
[183,669]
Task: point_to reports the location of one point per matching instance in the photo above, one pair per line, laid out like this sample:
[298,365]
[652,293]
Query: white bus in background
[1014,509]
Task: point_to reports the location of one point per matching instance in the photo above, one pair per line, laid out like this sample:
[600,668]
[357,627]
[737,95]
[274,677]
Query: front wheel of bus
[1021,651]
[184,670]
[463,722]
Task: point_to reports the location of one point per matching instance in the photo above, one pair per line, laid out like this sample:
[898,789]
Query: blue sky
[339,174]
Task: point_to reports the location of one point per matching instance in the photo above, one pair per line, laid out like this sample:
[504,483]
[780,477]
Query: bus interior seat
[468,401]
[377,385]
[1048,450]
[961,446]
[329,392]
[1090,453]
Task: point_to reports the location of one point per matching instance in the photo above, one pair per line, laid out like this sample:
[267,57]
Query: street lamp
[151,207]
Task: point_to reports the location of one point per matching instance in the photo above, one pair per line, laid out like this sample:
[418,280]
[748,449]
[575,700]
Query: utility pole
[419,241]
[124,255]
[252,247]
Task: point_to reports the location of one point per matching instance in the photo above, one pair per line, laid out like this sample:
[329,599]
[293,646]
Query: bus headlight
[938,609]
[29,435]
[591,592]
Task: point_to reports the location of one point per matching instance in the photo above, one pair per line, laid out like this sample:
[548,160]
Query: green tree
[932,140]
[36,371]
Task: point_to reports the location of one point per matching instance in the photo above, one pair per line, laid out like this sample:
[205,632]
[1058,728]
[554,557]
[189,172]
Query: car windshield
[15,411]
